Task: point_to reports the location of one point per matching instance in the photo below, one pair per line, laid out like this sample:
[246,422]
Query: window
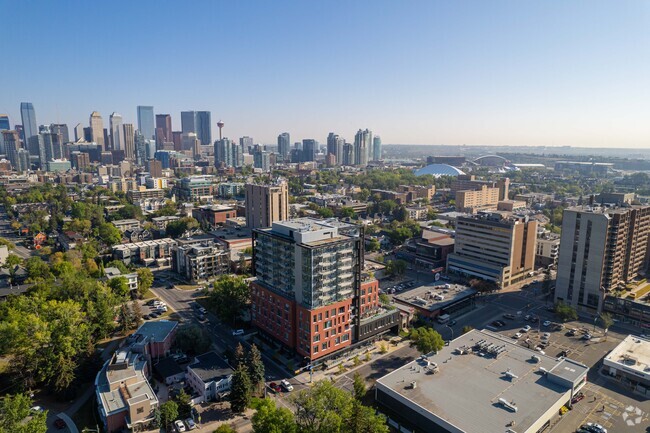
[324,346]
[328,324]
[320,316]
[327,314]
[341,310]
[333,311]
[346,337]
[315,349]
[315,318]
[316,338]
[316,328]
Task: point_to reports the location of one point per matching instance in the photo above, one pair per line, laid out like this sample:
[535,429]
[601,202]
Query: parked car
[452,323]
[36,409]
[587,337]
[179,426]
[546,335]
[191,425]
[546,323]
[59,423]
[146,317]
[576,398]
[286,385]
[517,335]
[509,316]
[202,310]
[275,387]
[237,332]
[572,332]
[525,328]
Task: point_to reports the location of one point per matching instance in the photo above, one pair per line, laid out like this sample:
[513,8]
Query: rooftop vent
[510,405]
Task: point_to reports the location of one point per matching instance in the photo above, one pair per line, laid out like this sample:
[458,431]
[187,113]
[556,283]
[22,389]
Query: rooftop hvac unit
[414,385]
[543,370]
[511,375]
[535,358]
[510,405]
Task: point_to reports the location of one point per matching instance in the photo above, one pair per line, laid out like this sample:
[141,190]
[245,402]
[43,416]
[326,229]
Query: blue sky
[422,72]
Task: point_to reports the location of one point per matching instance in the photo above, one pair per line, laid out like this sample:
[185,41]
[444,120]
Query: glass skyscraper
[284,145]
[203,128]
[145,122]
[4,122]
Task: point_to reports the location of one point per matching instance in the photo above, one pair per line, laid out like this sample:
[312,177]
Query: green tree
[136,313]
[168,413]
[270,419]
[177,228]
[145,280]
[184,402]
[373,245]
[325,212]
[607,322]
[125,319]
[239,357]
[359,387]
[229,298]
[240,390]
[346,212]
[363,419]
[37,269]
[192,339]
[10,245]
[16,416]
[13,260]
[427,340]
[119,286]
[119,264]
[255,368]
[565,312]
[109,234]
[384,299]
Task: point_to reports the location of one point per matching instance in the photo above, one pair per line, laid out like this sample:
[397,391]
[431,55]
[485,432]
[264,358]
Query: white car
[190,424]
[547,323]
[286,385]
[539,349]
[546,335]
[517,335]
[180,427]
[238,332]
[36,409]
[525,328]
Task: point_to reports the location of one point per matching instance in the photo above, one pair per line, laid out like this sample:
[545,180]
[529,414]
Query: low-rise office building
[433,301]
[213,215]
[147,253]
[482,382]
[210,377]
[629,363]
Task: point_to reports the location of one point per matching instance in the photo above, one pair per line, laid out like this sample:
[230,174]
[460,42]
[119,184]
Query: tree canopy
[229,298]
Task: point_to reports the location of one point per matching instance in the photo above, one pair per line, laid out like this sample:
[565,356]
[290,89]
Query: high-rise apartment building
[308,277]
[52,143]
[335,145]
[348,154]
[266,204]
[246,144]
[362,147]
[224,154]
[203,127]
[4,122]
[601,249]
[284,145]
[146,122]
[129,143]
[177,139]
[12,146]
[117,131]
[163,129]
[188,122]
[376,148]
[262,160]
[309,149]
[60,128]
[190,142]
[495,246]
[97,129]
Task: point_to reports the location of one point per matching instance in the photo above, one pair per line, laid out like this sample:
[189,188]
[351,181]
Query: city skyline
[503,73]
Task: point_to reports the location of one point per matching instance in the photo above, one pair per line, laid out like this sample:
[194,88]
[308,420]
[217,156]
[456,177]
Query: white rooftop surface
[634,353]
[465,392]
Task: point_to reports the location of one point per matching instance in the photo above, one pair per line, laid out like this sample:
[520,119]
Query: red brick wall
[274,314]
[332,331]
[369,295]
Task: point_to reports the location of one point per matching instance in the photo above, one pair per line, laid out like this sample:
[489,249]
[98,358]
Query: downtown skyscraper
[284,145]
[97,129]
[33,142]
[309,149]
[145,122]
[163,129]
[362,147]
[203,128]
[376,148]
[117,132]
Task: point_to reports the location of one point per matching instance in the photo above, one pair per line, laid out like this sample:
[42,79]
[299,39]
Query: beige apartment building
[494,246]
[601,249]
[477,195]
[266,204]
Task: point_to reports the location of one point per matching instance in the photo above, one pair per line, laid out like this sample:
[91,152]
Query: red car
[275,387]
[59,423]
[577,398]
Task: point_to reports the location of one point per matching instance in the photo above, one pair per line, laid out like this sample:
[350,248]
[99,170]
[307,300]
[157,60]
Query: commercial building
[601,250]
[480,196]
[146,122]
[266,204]
[584,168]
[210,377]
[495,246]
[195,189]
[97,129]
[482,382]
[163,129]
[231,189]
[548,250]
[433,301]
[430,251]
[629,364]
[213,215]
[284,145]
[117,131]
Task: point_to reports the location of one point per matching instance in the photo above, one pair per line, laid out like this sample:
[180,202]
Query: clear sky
[415,72]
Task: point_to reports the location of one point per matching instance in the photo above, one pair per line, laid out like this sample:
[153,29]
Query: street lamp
[595,320]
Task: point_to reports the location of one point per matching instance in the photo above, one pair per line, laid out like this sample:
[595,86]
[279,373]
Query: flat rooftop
[210,367]
[466,389]
[435,297]
[158,330]
[633,353]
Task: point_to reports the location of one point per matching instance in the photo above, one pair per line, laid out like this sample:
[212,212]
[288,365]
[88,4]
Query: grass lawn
[190,287]
[149,295]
